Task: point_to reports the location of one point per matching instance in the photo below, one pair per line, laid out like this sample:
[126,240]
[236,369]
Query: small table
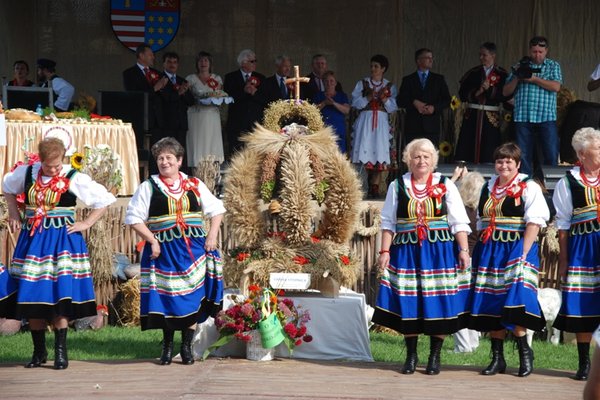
[338,327]
[120,137]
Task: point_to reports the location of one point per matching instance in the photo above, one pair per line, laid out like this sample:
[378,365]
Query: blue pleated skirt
[505,290]
[8,293]
[580,309]
[53,275]
[177,292]
[422,290]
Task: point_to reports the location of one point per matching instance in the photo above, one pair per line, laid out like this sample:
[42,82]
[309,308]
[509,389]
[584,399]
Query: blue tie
[423,79]
[282,88]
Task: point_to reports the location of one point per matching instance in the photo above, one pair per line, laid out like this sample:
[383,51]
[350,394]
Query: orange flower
[345,260]
[273,299]
[301,260]
[254,288]
[241,257]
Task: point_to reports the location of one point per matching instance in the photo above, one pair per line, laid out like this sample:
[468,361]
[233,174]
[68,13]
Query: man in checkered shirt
[535,106]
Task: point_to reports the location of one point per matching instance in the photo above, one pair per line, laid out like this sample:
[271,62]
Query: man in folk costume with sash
[181,269]
[577,202]
[512,209]
[424,256]
[50,263]
[481,89]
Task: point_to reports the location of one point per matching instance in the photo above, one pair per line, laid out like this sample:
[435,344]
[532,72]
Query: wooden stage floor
[278,379]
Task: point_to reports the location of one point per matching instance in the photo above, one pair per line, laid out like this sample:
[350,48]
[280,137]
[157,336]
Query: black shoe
[411,355]
[187,358]
[61,361]
[583,349]
[498,364]
[40,354]
[435,348]
[525,356]
[167,347]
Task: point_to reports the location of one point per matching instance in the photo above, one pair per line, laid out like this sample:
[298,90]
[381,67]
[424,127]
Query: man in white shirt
[63,90]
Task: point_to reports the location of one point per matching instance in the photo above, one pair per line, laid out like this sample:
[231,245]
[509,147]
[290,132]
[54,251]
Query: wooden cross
[296,81]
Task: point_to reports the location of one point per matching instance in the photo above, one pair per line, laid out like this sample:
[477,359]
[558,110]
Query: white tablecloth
[338,327]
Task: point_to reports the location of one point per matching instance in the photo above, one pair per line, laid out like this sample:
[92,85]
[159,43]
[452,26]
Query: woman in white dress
[374,97]
[204,121]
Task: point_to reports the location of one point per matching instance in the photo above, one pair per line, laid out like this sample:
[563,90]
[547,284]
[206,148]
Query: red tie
[147,73]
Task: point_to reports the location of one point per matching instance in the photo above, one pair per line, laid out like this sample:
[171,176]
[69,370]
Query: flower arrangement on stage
[245,315]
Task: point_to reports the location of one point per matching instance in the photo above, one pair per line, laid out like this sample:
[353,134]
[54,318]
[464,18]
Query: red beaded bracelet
[383,251]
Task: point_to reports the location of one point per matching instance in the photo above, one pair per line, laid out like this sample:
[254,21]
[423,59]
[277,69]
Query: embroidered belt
[483,107]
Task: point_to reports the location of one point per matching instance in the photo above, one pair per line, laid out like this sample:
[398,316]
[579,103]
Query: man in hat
[63,90]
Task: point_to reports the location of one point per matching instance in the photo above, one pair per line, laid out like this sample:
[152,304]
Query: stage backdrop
[78,35]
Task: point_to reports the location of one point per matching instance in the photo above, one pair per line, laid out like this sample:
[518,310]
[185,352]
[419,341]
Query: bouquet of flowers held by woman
[262,309]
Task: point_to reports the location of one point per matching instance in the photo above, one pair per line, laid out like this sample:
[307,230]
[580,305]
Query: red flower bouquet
[245,315]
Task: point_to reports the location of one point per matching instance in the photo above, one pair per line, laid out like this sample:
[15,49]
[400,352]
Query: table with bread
[25,128]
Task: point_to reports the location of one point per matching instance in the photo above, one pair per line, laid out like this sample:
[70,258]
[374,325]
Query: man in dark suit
[316,84]
[143,78]
[424,95]
[274,88]
[175,99]
[243,85]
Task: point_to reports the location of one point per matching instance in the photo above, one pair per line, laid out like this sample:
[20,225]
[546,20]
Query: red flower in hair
[345,260]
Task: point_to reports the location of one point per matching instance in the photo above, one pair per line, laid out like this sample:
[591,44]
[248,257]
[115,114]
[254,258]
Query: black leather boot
[498,364]
[583,349]
[61,360]
[435,348]
[525,356]
[411,355]
[40,354]
[187,358]
[167,347]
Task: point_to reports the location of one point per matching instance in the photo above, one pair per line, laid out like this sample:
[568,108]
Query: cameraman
[535,83]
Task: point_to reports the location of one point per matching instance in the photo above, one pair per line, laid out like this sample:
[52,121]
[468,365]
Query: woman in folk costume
[50,263]
[512,209]
[424,256]
[577,201]
[375,99]
[181,280]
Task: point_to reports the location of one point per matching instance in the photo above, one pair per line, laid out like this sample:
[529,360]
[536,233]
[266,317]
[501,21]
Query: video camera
[523,69]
